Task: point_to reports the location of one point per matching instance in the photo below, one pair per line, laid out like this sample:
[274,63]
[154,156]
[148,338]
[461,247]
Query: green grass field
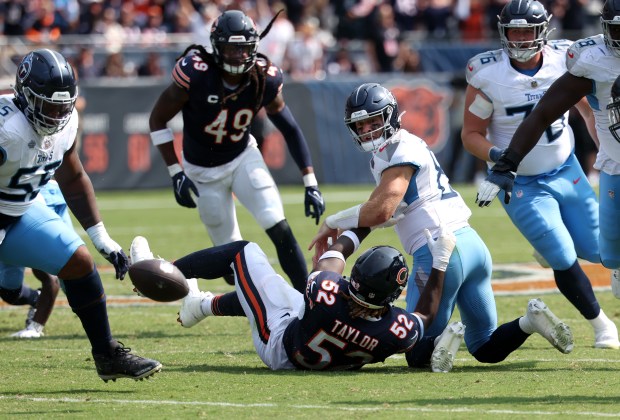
[211,370]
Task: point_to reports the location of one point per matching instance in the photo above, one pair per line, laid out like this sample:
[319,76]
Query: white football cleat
[191,312]
[545,323]
[615,283]
[139,250]
[446,347]
[607,336]
[33,330]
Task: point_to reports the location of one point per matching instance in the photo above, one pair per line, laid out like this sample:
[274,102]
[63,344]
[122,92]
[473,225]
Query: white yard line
[285,407]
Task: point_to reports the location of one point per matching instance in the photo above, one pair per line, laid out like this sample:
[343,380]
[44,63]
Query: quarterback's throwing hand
[314,203]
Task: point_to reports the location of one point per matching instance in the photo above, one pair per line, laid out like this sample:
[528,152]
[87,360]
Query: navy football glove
[501,177]
[314,203]
[183,187]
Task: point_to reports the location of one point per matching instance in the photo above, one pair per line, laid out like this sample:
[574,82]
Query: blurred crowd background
[131,43]
[311,39]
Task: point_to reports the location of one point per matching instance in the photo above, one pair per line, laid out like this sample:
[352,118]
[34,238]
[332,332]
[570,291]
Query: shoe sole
[561,335]
[609,344]
[145,375]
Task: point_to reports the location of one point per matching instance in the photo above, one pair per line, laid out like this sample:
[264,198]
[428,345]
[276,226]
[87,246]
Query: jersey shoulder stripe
[481,62]
[179,76]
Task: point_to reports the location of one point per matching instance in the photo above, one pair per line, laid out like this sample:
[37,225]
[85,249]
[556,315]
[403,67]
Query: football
[159,280]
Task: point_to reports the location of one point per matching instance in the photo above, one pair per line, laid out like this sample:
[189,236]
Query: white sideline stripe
[309,407]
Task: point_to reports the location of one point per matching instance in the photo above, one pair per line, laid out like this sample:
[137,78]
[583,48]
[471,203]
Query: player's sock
[290,256]
[210,263]
[504,340]
[224,305]
[576,287]
[87,299]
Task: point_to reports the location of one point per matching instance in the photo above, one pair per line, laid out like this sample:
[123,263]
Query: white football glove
[441,249]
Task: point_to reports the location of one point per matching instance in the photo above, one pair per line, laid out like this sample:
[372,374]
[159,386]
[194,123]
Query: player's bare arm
[77,189]
[588,117]
[476,121]
[169,104]
[386,197]
[564,93]
[344,246]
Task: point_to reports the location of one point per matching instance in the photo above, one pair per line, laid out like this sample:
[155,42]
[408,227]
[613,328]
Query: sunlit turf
[212,370]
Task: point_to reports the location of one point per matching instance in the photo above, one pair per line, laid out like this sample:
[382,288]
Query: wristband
[332,254]
[351,235]
[174,169]
[96,231]
[162,136]
[494,153]
[345,219]
[310,180]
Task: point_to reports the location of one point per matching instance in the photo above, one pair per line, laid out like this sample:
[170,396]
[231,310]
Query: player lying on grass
[337,323]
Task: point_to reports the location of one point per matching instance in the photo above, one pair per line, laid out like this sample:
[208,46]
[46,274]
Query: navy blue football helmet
[368,101]
[378,277]
[613,110]
[523,14]
[235,42]
[46,90]
[610,20]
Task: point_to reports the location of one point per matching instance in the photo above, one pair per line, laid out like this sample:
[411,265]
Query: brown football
[158,280]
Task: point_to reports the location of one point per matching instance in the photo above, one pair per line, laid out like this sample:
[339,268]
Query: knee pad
[10,296]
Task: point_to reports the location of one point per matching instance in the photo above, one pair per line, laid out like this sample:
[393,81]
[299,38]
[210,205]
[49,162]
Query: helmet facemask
[523,51]
[236,56]
[611,32]
[613,109]
[380,132]
[48,115]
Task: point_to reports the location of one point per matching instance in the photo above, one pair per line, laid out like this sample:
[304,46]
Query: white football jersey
[429,200]
[591,59]
[28,159]
[514,95]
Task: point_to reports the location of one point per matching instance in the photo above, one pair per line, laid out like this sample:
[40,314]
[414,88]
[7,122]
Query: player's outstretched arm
[346,244]
[441,249]
[79,194]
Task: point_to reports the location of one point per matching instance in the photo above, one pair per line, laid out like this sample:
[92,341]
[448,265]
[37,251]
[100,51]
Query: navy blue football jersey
[328,338]
[216,123]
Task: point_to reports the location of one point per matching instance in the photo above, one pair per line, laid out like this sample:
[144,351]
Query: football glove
[183,188]
[314,203]
[501,177]
[109,249]
[441,249]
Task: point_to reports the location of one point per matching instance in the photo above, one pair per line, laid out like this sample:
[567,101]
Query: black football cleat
[120,363]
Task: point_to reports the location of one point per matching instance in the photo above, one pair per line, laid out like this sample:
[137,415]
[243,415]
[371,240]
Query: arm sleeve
[285,122]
